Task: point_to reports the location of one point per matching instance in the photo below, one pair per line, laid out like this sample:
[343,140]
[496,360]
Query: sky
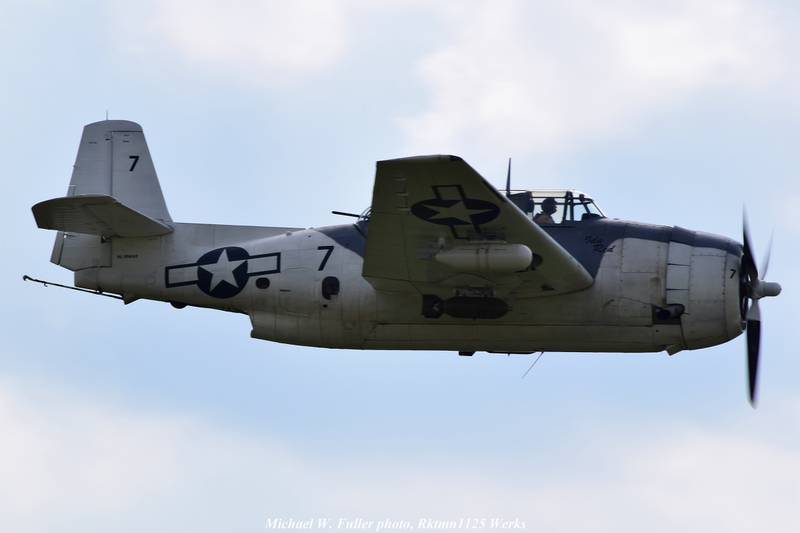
[122,418]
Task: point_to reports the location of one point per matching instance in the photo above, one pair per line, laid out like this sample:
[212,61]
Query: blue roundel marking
[471,211]
[222,273]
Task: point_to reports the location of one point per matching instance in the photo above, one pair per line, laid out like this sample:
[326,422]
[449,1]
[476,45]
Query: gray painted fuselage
[637,269]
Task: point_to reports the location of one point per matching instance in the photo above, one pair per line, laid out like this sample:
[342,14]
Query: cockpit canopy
[570,206]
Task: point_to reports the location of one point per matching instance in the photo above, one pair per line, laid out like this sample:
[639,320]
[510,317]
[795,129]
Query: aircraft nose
[711,281]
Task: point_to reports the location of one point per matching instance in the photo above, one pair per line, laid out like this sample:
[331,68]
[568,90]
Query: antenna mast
[508,179]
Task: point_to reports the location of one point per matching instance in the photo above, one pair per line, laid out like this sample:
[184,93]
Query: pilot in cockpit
[548,209]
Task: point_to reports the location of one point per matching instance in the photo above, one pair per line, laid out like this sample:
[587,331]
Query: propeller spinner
[751,289]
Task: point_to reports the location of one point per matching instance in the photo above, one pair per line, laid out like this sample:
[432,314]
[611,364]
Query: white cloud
[65,459]
[74,458]
[265,43]
[541,76]
[509,74]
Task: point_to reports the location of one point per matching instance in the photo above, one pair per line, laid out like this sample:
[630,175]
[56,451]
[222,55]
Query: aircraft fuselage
[655,288]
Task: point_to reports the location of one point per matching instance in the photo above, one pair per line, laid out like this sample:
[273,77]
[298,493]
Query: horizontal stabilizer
[96,214]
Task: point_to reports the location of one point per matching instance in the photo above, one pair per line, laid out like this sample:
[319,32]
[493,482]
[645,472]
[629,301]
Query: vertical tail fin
[112,160]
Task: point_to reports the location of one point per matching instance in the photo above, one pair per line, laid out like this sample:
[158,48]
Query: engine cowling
[706,272]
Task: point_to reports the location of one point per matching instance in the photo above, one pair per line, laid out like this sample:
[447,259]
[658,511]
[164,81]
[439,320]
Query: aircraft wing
[425,206]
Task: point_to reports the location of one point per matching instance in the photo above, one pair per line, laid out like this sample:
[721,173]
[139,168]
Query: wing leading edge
[436,223]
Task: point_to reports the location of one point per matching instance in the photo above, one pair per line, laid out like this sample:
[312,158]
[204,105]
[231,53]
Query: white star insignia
[222,270]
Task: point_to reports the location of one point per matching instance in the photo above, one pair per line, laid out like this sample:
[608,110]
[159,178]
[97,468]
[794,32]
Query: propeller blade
[753,347]
[748,262]
[754,312]
[752,289]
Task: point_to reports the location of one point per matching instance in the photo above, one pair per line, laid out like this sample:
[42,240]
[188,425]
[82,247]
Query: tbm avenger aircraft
[441,261]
